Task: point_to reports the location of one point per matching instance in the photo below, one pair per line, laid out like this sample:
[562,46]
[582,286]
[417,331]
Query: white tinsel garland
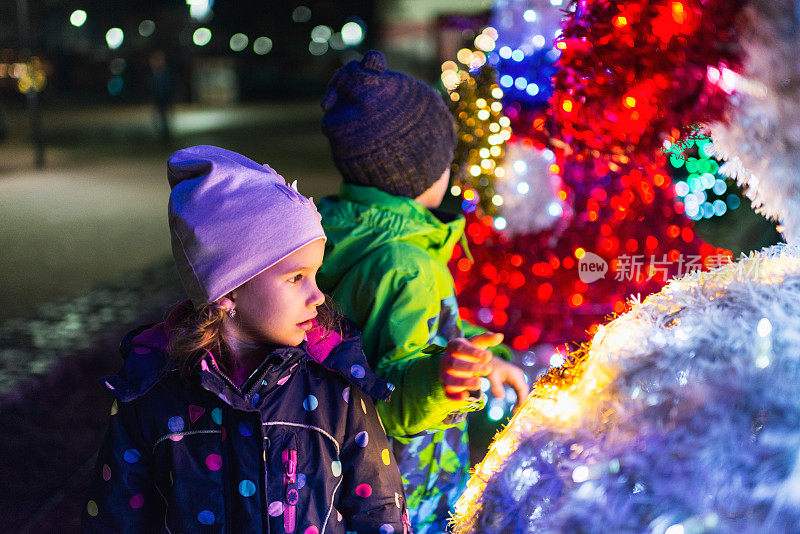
[683,416]
[761,142]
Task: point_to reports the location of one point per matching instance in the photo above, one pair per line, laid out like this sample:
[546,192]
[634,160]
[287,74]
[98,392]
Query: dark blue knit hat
[386,129]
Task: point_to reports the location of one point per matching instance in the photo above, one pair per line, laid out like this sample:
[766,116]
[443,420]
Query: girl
[250,408]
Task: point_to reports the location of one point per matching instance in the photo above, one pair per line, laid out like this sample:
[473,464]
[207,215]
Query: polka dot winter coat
[299,448]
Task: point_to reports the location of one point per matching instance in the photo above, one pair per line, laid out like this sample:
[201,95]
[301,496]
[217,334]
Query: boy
[392,138]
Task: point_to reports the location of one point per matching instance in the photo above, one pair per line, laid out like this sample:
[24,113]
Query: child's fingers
[454,384]
[464,368]
[463,349]
[457,396]
[486,340]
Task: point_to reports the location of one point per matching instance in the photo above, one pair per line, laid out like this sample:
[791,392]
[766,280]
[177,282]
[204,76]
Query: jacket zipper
[290,494]
[223,375]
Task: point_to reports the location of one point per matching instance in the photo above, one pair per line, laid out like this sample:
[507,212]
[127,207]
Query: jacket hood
[361,219]
[146,362]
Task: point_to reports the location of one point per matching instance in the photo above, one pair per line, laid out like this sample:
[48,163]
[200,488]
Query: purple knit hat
[230,219]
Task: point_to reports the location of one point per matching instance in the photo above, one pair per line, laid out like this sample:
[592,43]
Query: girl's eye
[296,278]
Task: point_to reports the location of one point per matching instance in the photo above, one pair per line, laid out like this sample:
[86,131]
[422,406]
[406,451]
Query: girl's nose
[317,297]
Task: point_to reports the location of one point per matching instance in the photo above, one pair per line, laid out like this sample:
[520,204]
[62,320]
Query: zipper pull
[290,493]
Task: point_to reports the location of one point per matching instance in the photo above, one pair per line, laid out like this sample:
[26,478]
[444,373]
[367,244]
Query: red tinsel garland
[631,75]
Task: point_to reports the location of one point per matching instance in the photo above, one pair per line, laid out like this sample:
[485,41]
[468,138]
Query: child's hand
[504,372]
[464,362]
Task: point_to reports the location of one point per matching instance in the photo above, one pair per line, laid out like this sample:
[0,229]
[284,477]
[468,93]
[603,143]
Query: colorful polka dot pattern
[214,461]
[247,488]
[275,508]
[357,371]
[364,490]
[137,501]
[175,424]
[91,508]
[336,468]
[131,456]
[310,403]
[206,517]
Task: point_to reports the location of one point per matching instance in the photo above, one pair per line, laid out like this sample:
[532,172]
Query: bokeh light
[77,18]
[352,33]
[201,36]
[114,38]
[238,42]
[262,45]
[321,33]
[317,49]
[147,28]
[301,14]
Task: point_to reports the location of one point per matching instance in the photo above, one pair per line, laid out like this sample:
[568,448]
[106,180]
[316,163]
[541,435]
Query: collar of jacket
[146,364]
[409,218]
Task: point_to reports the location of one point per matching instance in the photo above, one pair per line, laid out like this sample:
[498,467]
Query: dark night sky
[79,57]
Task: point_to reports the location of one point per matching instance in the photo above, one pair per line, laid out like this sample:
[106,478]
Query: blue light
[708,210]
[681,189]
[719,207]
[493,57]
[496,413]
[505,52]
[518,55]
[115,85]
[468,206]
[692,211]
[694,183]
[720,187]
[520,83]
[532,89]
[506,80]
[733,201]
[555,209]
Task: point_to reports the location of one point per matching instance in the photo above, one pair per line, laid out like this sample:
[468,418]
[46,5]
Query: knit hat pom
[329,99]
[374,61]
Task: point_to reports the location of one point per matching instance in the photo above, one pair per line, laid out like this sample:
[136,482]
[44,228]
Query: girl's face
[277,306]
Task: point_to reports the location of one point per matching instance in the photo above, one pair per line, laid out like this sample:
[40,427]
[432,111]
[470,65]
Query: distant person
[392,138]
[161,86]
[250,408]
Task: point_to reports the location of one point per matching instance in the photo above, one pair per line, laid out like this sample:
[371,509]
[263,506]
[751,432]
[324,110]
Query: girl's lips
[306,325]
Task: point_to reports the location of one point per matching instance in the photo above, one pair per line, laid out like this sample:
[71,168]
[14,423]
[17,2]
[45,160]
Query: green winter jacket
[386,267]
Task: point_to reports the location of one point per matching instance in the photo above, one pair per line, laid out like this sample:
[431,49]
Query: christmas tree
[601,222]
